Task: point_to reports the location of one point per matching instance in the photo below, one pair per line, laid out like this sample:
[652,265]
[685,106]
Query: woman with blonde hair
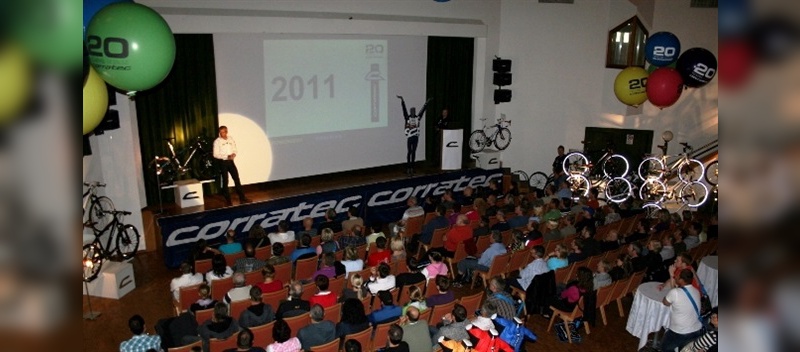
[417,299]
[356,289]
[398,247]
[351,262]
[327,244]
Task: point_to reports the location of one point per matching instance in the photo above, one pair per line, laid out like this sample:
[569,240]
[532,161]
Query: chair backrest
[430,288]
[472,303]
[298,322]
[426,315]
[438,237]
[237,307]
[518,260]
[593,260]
[253,277]
[332,346]
[186,348]
[506,237]
[274,298]
[467,208]
[309,290]
[620,289]
[381,336]
[283,272]
[304,268]
[562,274]
[289,247]
[217,345]
[440,311]
[604,294]
[315,241]
[574,273]
[364,337]
[482,243]
[414,225]
[202,266]
[334,313]
[492,220]
[230,259]
[362,251]
[499,264]
[263,253]
[336,285]
[550,246]
[367,302]
[403,296]
[339,255]
[578,311]
[262,334]
[220,287]
[636,280]
[188,295]
[201,316]
[372,247]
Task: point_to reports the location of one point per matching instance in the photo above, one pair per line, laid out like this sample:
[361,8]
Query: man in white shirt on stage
[225,150]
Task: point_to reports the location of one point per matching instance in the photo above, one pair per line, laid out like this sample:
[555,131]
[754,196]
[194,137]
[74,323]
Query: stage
[379,194]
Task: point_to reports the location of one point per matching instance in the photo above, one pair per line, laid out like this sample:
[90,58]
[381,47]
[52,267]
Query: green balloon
[48,31]
[131,46]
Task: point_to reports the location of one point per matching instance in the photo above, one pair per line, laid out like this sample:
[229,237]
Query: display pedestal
[188,193]
[452,142]
[115,280]
[489,159]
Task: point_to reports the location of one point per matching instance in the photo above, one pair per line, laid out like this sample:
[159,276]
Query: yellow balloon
[95,101]
[630,87]
[15,82]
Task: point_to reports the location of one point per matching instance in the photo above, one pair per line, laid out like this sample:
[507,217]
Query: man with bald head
[415,331]
[460,232]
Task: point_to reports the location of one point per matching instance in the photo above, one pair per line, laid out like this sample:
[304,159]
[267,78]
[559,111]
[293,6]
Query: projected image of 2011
[310,81]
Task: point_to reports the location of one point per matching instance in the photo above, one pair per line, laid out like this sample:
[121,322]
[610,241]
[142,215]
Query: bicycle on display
[498,135]
[608,174]
[656,172]
[121,241]
[537,180]
[99,207]
[196,158]
[712,177]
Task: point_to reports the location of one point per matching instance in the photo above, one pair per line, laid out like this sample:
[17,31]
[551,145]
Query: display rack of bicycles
[112,237]
[654,181]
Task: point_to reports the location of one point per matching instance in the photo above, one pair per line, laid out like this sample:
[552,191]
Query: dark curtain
[183,107]
[449,80]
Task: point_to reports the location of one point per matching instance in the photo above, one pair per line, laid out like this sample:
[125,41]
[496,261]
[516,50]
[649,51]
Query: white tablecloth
[707,274]
[648,313]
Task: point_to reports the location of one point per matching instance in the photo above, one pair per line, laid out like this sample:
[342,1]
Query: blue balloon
[91,7]
[662,49]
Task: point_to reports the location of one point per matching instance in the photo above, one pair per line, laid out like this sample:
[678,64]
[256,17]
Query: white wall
[560,83]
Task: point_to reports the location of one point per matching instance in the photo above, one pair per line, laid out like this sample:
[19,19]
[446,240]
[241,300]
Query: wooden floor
[151,297]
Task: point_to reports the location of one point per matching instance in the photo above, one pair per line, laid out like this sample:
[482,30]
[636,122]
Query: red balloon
[736,60]
[664,87]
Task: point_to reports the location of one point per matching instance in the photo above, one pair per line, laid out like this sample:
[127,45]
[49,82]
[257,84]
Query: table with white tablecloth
[707,274]
[648,312]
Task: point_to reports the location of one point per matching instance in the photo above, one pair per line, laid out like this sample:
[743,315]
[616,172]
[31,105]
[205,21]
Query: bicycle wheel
[653,191]
[651,210]
[693,194]
[92,261]
[521,175]
[477,141]
[538,180]
[579,185]
[618,190]
[503,139]
[651,167]
[100,213]
[694,170]
[575,163]
[615,166]
[127,241]
[205,167]
[712,172]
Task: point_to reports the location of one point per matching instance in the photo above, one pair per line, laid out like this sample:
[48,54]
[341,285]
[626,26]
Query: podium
[188,193]
[115,280]
[452,142]
[489,159]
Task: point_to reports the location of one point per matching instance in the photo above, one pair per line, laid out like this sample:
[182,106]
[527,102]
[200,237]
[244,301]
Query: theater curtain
[183,107]
[449,83]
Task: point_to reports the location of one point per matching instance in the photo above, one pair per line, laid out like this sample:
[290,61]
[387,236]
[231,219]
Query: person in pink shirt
[436,267]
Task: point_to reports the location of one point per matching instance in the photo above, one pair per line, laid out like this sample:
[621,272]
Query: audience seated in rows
[258,313]
[294,305]
[319,332]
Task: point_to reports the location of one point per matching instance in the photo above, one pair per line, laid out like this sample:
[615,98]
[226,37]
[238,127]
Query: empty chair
[604,298]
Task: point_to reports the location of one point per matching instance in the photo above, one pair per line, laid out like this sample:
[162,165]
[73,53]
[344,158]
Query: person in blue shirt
[467,265]
[558,258]
[388,310]
[304,249]
[231,246]
[514,332]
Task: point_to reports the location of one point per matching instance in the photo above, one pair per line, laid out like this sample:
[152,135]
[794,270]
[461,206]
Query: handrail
[706,150]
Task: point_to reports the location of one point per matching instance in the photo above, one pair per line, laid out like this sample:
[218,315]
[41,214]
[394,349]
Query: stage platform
[379,194]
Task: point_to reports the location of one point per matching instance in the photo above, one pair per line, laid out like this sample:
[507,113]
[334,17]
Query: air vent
[704,3]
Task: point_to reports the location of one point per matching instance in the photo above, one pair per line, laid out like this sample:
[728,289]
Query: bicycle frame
[114,224]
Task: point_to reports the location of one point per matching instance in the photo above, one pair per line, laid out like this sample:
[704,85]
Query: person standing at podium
[441,125]
[225,150]
[412,126]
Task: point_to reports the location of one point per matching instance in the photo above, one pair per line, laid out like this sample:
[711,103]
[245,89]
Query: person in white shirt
[536,267]
[225,150]
[684,316]
[284,235]
[185,280]
[381,279]
[412,211]
[240,290]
